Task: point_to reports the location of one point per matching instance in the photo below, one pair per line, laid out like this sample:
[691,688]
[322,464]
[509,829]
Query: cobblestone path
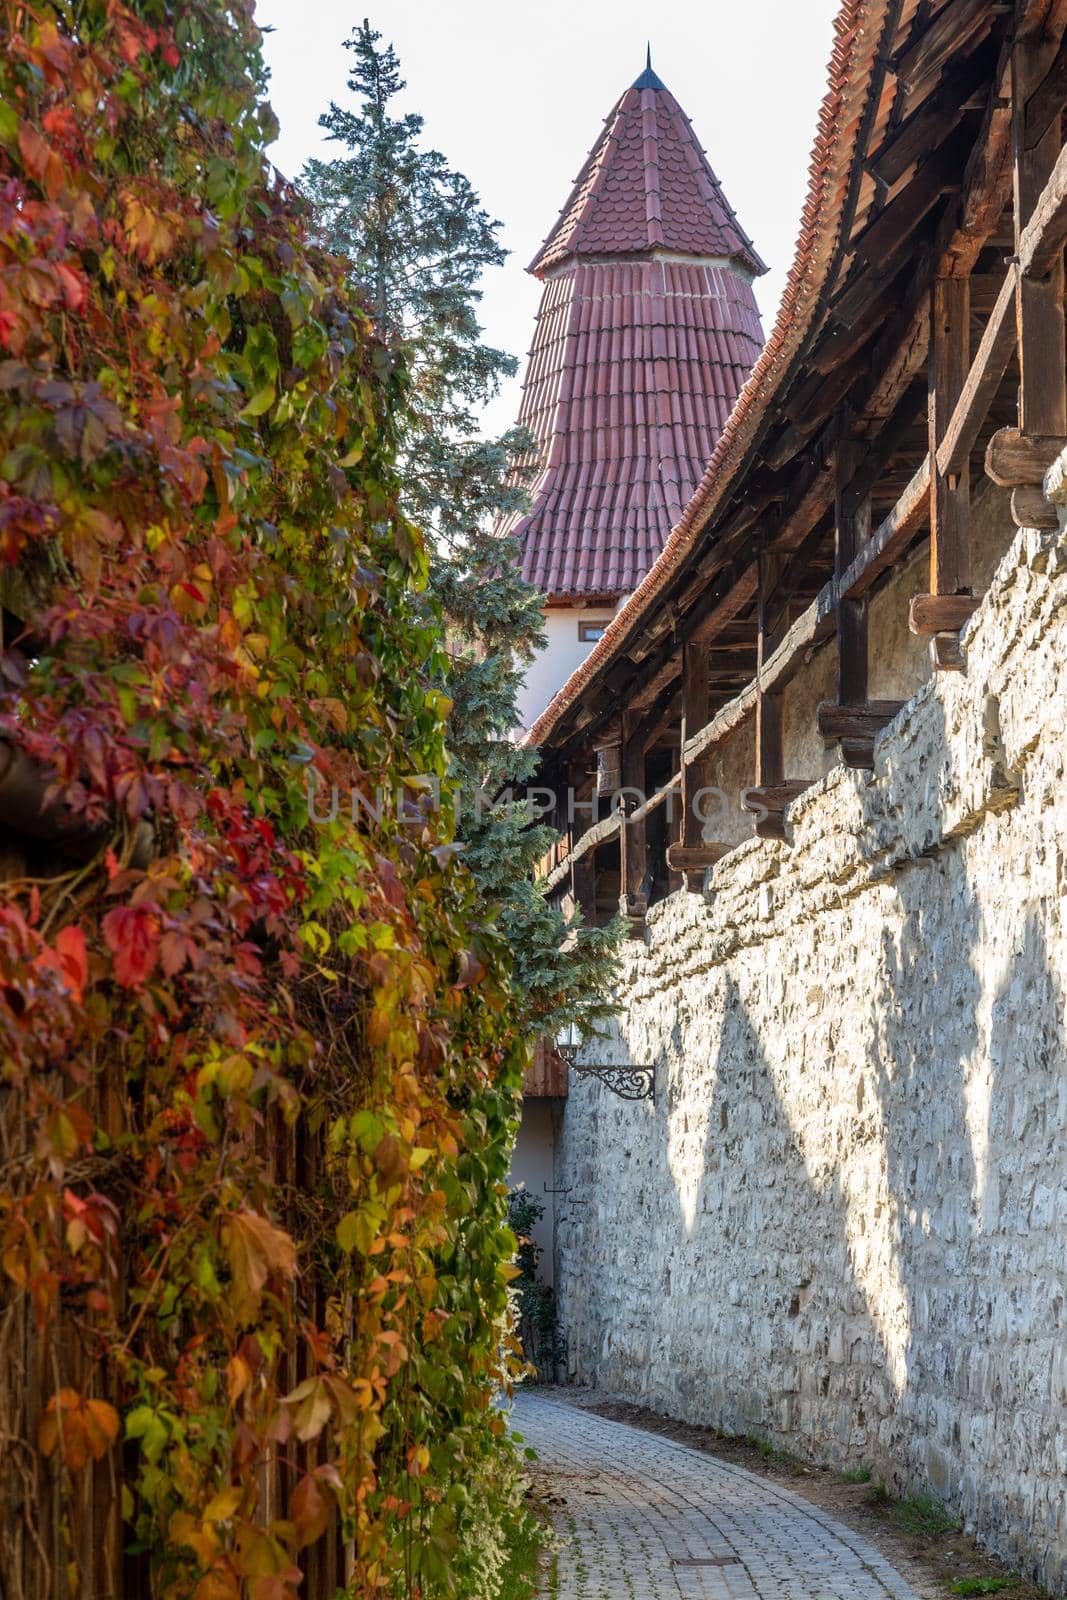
[639,1517]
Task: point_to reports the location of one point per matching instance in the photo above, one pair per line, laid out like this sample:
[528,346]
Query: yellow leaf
[225,1503]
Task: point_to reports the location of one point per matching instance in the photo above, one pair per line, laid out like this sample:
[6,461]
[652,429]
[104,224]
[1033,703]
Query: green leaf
[261,401]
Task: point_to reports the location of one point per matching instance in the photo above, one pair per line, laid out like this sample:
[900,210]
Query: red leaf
[132,935]
[73,961]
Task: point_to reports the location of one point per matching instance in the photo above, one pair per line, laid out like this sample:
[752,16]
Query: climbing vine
[258,1068]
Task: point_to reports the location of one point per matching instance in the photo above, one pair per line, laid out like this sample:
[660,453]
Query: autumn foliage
[258,1071]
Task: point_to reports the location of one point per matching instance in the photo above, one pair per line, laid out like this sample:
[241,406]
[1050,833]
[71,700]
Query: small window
[589,632]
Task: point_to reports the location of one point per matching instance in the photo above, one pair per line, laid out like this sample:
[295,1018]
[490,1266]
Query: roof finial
[648,79]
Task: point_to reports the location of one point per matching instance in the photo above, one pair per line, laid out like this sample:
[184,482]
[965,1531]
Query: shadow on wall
[846,1228]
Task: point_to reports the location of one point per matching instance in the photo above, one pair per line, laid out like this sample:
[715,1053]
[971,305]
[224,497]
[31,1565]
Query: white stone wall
[843,1226]
[532,1165]
[563,653]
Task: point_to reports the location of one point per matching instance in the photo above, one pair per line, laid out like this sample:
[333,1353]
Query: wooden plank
[950,493]
[1012,457]
[981,384]
[941,613]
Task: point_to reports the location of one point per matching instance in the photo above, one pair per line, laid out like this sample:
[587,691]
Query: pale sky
[514,96]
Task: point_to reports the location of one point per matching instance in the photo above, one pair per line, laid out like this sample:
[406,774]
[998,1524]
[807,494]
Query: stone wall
[843,1225]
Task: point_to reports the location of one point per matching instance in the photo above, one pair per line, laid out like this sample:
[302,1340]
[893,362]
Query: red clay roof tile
[636,360]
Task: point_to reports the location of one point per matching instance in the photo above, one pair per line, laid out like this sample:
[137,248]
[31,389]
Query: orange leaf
[41,161]
[309,1511]
[82,1427]
[238,1377]
[257,1250]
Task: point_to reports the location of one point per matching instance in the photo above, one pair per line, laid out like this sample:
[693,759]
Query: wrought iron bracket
[629,1083]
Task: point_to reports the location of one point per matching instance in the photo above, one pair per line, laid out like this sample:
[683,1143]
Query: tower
[646,331]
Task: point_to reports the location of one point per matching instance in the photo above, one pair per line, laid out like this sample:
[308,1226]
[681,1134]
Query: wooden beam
[852,528]
[1041,240]
[912,140]
[633,887]
[696,685]
[950,556]
[1030,509]
[1039,300]
[768,803]
[695,859]
[940,39]
[1012,457]
[981,384]
[1046,100]
[941,613]
[856,721]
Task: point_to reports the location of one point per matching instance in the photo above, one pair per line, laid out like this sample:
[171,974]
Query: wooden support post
[950,492]
[675,878]
[772,792]
[633,896]
[695,704]
[852,530]
[1039,301]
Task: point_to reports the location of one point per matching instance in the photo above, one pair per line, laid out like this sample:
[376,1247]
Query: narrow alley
[640,1517]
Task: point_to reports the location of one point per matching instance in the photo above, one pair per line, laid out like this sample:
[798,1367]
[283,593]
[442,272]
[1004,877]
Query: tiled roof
[647,186]
[634,369]
[857,34]
[638,356]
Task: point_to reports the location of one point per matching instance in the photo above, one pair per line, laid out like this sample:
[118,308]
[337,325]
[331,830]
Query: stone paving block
[638,1511]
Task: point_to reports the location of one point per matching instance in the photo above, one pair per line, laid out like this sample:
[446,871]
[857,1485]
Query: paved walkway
[643,1518]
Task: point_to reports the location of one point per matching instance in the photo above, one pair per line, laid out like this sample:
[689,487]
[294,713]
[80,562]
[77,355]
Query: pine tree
[419,240]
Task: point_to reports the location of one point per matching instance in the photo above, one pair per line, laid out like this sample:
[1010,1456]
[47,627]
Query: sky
[515,95]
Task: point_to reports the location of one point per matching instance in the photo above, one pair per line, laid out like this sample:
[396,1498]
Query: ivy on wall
[258,1071]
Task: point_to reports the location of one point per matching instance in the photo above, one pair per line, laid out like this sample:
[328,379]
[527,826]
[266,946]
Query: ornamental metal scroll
[629,1082]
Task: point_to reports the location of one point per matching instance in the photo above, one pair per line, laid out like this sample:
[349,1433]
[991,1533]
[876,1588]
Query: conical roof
[647,186]
[647,330]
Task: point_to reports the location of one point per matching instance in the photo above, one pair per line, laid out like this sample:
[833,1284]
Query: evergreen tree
[419,240]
